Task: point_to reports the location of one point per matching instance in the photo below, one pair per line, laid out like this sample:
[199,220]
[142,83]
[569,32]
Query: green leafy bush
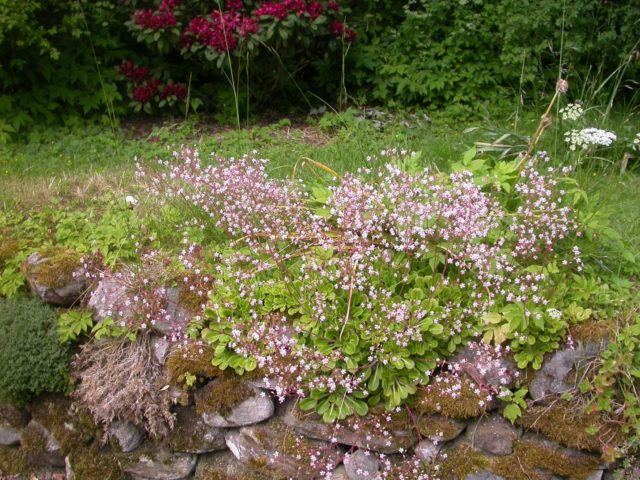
[32,360]
[438,52]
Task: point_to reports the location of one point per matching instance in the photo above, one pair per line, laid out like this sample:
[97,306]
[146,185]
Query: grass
[73,166]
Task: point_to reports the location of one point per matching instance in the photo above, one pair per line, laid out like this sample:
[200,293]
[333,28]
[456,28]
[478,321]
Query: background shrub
[438,52]
[32,360]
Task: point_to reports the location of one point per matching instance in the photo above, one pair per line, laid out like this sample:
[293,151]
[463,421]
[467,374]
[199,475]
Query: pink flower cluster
[422,217]
[155,20]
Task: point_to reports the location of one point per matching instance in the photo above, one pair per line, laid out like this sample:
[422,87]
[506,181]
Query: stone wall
[235,428]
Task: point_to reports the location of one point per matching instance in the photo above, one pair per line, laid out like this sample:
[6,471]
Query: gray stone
[192,435]
[161,465]
[176,317]
[278,451]
[50,455]
[493,435]
[223,465]
[483,368]
[126,435]
[340,473]
[595,475]
[428,450]
[67,294]
[311,425]
[101,300]
[160,347]
[361,465]
[484,475]
[553,378]
[9,436]
[254,409]
[12,421]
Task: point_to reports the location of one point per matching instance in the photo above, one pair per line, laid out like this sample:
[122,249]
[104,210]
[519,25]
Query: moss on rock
[220,396]
[194,359]
[451,396]
[531,460]
[55,267]
[568,424]
[13,461]
[92,462]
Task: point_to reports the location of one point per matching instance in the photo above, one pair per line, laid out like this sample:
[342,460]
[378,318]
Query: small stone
[176,316]
[127,436]
[400,438]
[161,465]
[192,435]
[160,347]
[9,436]
[361,465]
[484,367]
[49,455]
[493,435]
[257,407]
[275,451]
[65,289]
[428,450]
[484,475]
[223,465]
[553,378]
[340,473]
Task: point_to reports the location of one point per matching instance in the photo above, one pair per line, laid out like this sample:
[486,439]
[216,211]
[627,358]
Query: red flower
[315,9]
[249,26]
[178,90]
[169,4]
[275,10]
[340,30]
[154,20]
[234,5]
[333,5]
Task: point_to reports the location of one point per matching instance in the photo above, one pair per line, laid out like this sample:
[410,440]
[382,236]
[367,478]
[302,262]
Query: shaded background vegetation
[59,59]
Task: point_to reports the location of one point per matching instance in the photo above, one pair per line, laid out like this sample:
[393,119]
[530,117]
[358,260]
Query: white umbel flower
[573,111]
[588,137]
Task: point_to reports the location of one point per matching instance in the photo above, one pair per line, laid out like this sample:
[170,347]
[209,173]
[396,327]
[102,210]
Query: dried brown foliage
[120,379]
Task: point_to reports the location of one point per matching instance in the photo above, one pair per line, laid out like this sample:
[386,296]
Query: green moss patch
[194,359]
[56,267]
[220,396]
[570,425]
[530,460]
[453,397]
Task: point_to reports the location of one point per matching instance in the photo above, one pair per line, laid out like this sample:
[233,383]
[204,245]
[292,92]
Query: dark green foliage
[442,52]
[48,71]
[32,360]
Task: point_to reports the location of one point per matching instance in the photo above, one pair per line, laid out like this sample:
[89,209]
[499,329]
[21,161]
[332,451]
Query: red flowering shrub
[147,91]
[197,29]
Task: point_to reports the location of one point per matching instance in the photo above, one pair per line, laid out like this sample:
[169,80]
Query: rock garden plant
[396,320]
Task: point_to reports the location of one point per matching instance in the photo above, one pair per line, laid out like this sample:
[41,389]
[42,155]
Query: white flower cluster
[573,111]
[588,137]
[636,142]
